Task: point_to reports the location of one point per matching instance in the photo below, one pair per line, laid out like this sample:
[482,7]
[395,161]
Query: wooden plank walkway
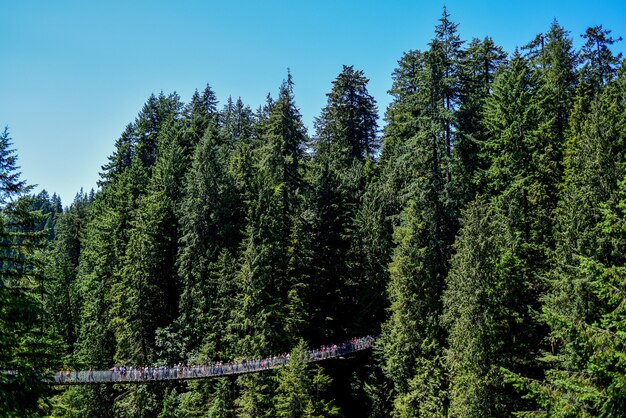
[134,375]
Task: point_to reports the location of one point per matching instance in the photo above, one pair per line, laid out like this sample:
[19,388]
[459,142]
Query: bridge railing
[199,371]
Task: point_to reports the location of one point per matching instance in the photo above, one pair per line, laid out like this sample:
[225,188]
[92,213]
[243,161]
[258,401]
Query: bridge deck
[174,373]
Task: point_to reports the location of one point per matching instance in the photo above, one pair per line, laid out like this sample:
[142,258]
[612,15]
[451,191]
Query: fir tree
[64,299]
[599,62]
[413,337]
[346,136]
[200,113]
[209,224]
[478,67]
[347,127]
[26,351]
[480,310]
[301,388]
[144,297]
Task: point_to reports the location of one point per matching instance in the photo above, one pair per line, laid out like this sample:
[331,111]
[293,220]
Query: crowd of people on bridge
[181,371]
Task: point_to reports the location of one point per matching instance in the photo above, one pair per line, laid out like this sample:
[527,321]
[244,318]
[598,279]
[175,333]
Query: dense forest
[480,234]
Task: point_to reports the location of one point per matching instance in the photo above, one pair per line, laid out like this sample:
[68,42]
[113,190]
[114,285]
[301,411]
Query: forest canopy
[478,231]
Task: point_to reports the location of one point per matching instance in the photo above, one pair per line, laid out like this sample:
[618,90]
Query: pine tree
[347,127]
[326,240]
[271,227]
[26,351]
[122,157]
[593,165]
[301,387]
[478,67]
[412,337]
[521,185]
[63,299]
[444,58]
[346,138]
[588,373]
[407,105]
[270,277]
[199,114]
[210,224]
[236,122]
[156,111]
[555,63]
[255,399]
[599,62]
[144,299]
[480,310]
[521,175]
[370,254]
[575,304]
[102,261]
[284,136]
[221,405]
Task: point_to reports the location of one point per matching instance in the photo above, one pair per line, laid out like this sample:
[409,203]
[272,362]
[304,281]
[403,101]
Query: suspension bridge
[139,375]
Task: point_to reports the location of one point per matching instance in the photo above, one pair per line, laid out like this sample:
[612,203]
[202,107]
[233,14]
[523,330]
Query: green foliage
[301,387]
[346,139]
[255,399]
[599,62]
[63,298]
[346,129]
[210,224]
[412,336]
[583,306]
[27,351]
[485,238]
[478,67]
[221,405]
[481,309]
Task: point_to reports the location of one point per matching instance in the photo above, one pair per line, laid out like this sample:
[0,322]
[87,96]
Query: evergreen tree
[327,242]
[480,310]
[444,58]
[156,111]
[593,166]
[199,114]
[101,264]
[478,67]
[284,137]
[406,107]
[49,208]
[521,182]
[270,276]
[370,254]
[144,299]
[270,240]
[347,127]
[346,137]
[412,337]
[221,405]
[588,373]
[236,122]
[102,261]
[210,224]
[122,157]
[556,64]
[574,304]
[599,62]
[300,387]
[26,350]
[63,298]
[255,399]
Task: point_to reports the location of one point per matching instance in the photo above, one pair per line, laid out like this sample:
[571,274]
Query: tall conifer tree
[25,349]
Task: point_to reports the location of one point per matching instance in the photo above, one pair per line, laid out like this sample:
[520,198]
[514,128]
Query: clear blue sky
[74,73]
